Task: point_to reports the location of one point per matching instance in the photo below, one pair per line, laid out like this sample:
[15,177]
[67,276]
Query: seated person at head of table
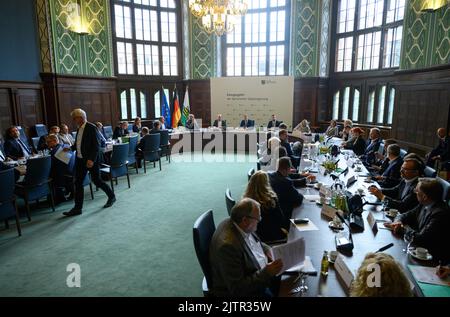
[402,196]
[137,126]
[393,283]
[42,144]
[282,183]
[240,263]
[273,225]
[271,154]
[369,158]
[356,142]
[274,123]
[64,136]
[391,175]
[332,130]
[156,127]
[163,122]
[121,130]
[219,122]
[14,147]
[442,151]
[58,170]
[247,123]
[427,225]
[283,135]
[303,127]
[191,123]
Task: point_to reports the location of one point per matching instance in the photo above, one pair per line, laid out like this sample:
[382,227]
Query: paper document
[305,267]
[63,156]
[310,226]
[311,198]
[291,253]
[428,275]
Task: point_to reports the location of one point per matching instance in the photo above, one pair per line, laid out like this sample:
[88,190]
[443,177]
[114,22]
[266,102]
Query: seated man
[283,135]
[58,170]
[141,146]
[219,123]
[121,130]
[369,158]
[382,161]
[14,147]
[191,123]
[442,151]
[283,186]
[274,123]
[402,196]
[240,262]
[42,144]
[156,127]
[163,123]
[247,123]
[427,224]
[391,175]
[64,136]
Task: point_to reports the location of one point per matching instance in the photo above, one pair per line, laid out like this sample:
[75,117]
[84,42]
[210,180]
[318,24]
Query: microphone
[343,243]
[390,245]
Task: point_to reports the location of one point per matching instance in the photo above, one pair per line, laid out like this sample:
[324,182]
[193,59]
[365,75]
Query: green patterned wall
[203,51]
[74,54]
[305,37]
[426,37]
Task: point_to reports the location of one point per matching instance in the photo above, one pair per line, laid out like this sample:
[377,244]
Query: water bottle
[324,264]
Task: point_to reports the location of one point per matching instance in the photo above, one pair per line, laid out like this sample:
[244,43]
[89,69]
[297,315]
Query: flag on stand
[186,107]
[166,110]
[176,109]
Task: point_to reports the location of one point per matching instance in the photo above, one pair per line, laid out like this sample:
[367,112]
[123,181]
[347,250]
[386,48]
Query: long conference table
[316,242]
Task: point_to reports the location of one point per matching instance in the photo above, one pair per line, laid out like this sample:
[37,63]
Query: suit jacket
[42,143]
[358,145]
[392,173]
[90,143]
[235,270]
[277,124]
[429,228]
[272,220]
[397,200]
[192,125]
[288,196]
[13,149]
[67,138]
[216,123]
[250,124]
[369,154]
[136,129]
[119,132]
[442,149]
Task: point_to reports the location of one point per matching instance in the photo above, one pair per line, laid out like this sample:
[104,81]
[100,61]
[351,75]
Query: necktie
[23,146]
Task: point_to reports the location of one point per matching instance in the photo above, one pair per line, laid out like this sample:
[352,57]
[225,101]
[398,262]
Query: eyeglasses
[408,169]
[257,219]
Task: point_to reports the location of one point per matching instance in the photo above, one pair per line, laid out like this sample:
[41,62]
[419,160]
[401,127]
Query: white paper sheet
[428,275]
[305,267]
[63,156]
[291,253]
[311,198]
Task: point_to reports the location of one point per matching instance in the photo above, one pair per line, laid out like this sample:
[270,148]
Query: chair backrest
[23,136]
[130,126]
[230,202]
[446,188]
[7,183]
[164,140]
[38,170]
[119,154]
[429,172]
[107,129]
[40,130]
[132,142]
[152,142]
[250,173]
[35,141]
[381,148]
[403,153]
[203,231]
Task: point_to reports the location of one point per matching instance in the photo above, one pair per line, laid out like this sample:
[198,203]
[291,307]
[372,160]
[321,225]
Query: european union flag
[166,111]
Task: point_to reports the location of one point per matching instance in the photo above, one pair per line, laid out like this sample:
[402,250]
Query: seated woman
[273,226]
[392,280]
[303,127]
[357,143]
[332,129]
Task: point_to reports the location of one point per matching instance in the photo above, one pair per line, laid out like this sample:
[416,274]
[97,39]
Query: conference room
[225,149]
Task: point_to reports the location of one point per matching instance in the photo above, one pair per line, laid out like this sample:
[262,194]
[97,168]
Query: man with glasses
[427,224]
[240,263]
[402,196]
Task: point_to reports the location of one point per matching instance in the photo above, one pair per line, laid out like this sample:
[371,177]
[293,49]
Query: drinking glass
[302,288]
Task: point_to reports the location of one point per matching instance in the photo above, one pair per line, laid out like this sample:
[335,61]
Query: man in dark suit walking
[87,145]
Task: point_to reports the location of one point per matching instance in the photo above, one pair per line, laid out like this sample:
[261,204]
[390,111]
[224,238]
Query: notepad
[428,290]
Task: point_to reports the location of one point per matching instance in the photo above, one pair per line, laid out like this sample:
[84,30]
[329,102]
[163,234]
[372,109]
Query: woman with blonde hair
[392,281]
[273,225]
[303,126]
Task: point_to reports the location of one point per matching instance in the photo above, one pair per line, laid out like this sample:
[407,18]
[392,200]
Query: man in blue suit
[247,123]
[14,147]
[391,175]
[368,158]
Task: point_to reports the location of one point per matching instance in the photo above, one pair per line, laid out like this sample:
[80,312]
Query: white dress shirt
[2,156]
[255,247]
[79,139]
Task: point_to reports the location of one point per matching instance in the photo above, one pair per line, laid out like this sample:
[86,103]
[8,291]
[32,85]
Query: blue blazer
[13,149]
[250,123]
[392,173]
[369,153]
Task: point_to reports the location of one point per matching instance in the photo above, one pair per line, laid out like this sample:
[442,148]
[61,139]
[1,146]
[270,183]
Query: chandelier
[218,16]
[433,5]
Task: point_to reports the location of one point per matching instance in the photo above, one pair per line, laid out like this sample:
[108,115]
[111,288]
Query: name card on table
[330,212]
[372,222]
[343,271]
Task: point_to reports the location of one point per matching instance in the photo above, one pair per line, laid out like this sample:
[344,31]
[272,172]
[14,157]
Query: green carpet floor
[142,246]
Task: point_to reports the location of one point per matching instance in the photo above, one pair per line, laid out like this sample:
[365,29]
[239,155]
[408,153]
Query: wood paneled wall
[97,96]
[21,103]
